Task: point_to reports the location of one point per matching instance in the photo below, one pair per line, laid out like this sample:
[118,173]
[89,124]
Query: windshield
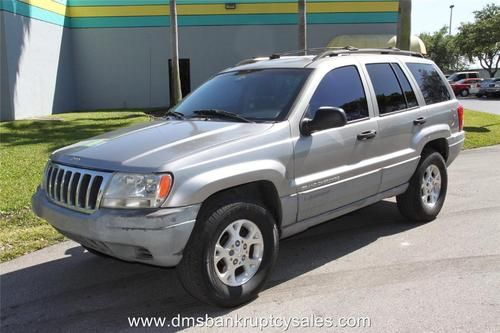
[258,95]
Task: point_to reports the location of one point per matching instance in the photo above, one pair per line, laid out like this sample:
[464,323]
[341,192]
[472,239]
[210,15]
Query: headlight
[128,190]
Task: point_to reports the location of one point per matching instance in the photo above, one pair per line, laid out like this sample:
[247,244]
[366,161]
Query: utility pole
[451,17]
[174,50]
[404,25]
[302,25]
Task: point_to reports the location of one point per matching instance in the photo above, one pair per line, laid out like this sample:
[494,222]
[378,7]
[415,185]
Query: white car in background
[474,88]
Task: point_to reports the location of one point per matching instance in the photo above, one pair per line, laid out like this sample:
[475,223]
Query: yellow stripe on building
[50,5]
[213,9]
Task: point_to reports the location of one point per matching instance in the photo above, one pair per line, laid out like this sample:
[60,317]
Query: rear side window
[342,88]
[430,82]
[411,99]
[390,94]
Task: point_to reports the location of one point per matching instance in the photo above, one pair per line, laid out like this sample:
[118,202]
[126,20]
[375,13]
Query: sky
[431,15]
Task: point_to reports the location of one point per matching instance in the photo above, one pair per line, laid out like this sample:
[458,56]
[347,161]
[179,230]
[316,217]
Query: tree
[480,39]
[174,50]
[302,25]
[442,49]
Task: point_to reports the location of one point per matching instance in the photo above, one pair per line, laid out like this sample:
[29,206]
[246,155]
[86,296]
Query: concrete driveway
[443,276]
[489,105]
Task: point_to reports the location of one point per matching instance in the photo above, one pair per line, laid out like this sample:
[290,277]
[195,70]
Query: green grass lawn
[482,129]
[25,146]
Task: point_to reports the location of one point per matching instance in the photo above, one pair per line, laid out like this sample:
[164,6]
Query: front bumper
[455,144]
[155,237]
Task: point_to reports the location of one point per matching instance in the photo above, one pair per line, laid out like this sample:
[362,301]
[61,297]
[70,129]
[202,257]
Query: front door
[337,167]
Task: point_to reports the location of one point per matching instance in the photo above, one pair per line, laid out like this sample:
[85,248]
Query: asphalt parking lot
[489,105]
[443,276]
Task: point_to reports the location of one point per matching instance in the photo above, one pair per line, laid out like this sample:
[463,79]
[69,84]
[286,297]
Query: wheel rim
[431,186]
[238,252]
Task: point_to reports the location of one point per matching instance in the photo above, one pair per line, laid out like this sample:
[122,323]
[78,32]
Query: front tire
[230,254]
[426,192]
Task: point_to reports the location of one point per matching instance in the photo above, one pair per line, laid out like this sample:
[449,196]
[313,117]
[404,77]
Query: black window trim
[398,111]
[362,85]
[400,87]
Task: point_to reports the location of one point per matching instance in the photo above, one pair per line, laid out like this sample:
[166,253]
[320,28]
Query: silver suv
[261,151]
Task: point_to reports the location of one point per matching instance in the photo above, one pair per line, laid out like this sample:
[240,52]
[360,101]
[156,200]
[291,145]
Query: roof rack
[352,50]
[310,51]
[252,60]
[324,52]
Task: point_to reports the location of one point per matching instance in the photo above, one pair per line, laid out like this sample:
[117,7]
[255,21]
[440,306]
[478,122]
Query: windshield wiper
[174,114]
[221,114]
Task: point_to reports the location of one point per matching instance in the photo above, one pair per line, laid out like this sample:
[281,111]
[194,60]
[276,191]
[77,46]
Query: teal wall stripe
[218,20]
[120,22]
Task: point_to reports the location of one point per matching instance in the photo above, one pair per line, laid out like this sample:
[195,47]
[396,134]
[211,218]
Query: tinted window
[390,97]
[341,88]
[430,82]
[255,94]
[411,99]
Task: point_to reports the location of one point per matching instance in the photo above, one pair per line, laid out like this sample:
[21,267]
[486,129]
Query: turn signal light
[165,185]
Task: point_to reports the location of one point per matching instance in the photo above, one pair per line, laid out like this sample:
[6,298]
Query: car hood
[149,147]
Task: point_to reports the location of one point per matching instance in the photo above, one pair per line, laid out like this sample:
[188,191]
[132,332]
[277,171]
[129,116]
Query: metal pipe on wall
[302,10]
[404,25]
[174,45]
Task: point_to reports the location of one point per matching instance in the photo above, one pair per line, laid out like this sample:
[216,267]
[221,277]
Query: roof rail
[252,60]
[352,50]
[324,52]
[310,51]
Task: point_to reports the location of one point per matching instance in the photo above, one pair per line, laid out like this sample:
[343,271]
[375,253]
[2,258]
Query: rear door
[400,119]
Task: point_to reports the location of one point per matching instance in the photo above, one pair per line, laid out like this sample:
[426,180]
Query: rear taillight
[460,113]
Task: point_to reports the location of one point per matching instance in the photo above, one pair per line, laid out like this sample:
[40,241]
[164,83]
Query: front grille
[75,188]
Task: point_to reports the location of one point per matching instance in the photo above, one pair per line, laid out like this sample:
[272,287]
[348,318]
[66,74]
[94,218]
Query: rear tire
[207,271]
[464,93]
[426,192]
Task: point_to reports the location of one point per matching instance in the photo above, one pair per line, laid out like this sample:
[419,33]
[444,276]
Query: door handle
[366,135]
[419,121]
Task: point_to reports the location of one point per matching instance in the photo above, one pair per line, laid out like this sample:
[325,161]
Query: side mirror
[326,117]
